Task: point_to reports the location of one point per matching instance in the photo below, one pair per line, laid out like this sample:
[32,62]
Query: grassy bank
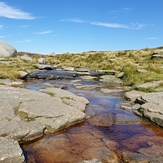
[131,62]
[137,65]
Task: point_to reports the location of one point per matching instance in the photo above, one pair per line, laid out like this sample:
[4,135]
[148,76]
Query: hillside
[136,66]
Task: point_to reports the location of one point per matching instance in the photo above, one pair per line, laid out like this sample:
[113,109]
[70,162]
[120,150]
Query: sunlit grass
[127,61]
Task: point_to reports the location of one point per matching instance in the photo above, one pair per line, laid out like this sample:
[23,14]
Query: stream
[111,133]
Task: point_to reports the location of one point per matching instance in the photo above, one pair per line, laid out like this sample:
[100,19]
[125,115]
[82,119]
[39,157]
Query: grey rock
[153,107]
[112,60]
[85,87]
[11,83]
[133,95]
[2,59]
[136,106]
[150,84]
[141,71]
[5,81]
[108,91]
[88,77]
[52,109]
[111,72]
[26,58]
[82,73]
[157,54]
[110,79]
[26,115]
[7,50]
[10,151]
[8,63]
[67,96]
[78,69]
[43,67]
[120,75]
[126,105]
[66,68]
[42,61]
[22,74]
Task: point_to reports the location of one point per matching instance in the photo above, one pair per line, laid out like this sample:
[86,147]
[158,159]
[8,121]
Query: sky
[60,26]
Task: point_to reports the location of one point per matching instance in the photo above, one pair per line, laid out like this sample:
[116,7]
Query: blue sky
[46,26]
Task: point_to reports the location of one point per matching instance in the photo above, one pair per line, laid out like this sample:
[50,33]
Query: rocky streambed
[70,117]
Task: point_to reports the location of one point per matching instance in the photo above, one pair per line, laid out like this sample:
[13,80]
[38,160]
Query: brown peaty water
[110,134]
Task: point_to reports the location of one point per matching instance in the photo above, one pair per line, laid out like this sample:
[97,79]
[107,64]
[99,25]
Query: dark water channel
[110,134]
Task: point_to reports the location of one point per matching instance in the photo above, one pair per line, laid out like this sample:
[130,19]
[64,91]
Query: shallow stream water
[110,133]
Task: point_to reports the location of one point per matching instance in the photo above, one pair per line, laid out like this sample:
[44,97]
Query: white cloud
[110,25]
[75,20]
[116,25]
[13,13]
[44,32]
[107,24]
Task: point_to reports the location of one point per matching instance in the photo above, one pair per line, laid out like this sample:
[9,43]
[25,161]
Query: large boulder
[6,50]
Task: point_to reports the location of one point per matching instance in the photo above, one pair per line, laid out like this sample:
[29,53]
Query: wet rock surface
[151,105]
[27,114]
[110,133]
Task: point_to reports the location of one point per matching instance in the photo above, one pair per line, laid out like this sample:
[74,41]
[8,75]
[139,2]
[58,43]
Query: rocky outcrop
[157,54]
[6,50]
[151,105]
[27,115]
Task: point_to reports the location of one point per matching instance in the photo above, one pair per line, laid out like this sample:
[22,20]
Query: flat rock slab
[51,109]
[153,107]
[150,105]
[25,114]
[133,95]
[110,79]
[10,151]
[152,84]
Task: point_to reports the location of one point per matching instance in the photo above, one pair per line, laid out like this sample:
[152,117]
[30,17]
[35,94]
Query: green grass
[127,61]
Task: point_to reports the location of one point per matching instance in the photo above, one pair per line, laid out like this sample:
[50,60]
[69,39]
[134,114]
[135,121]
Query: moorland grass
[127,61]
